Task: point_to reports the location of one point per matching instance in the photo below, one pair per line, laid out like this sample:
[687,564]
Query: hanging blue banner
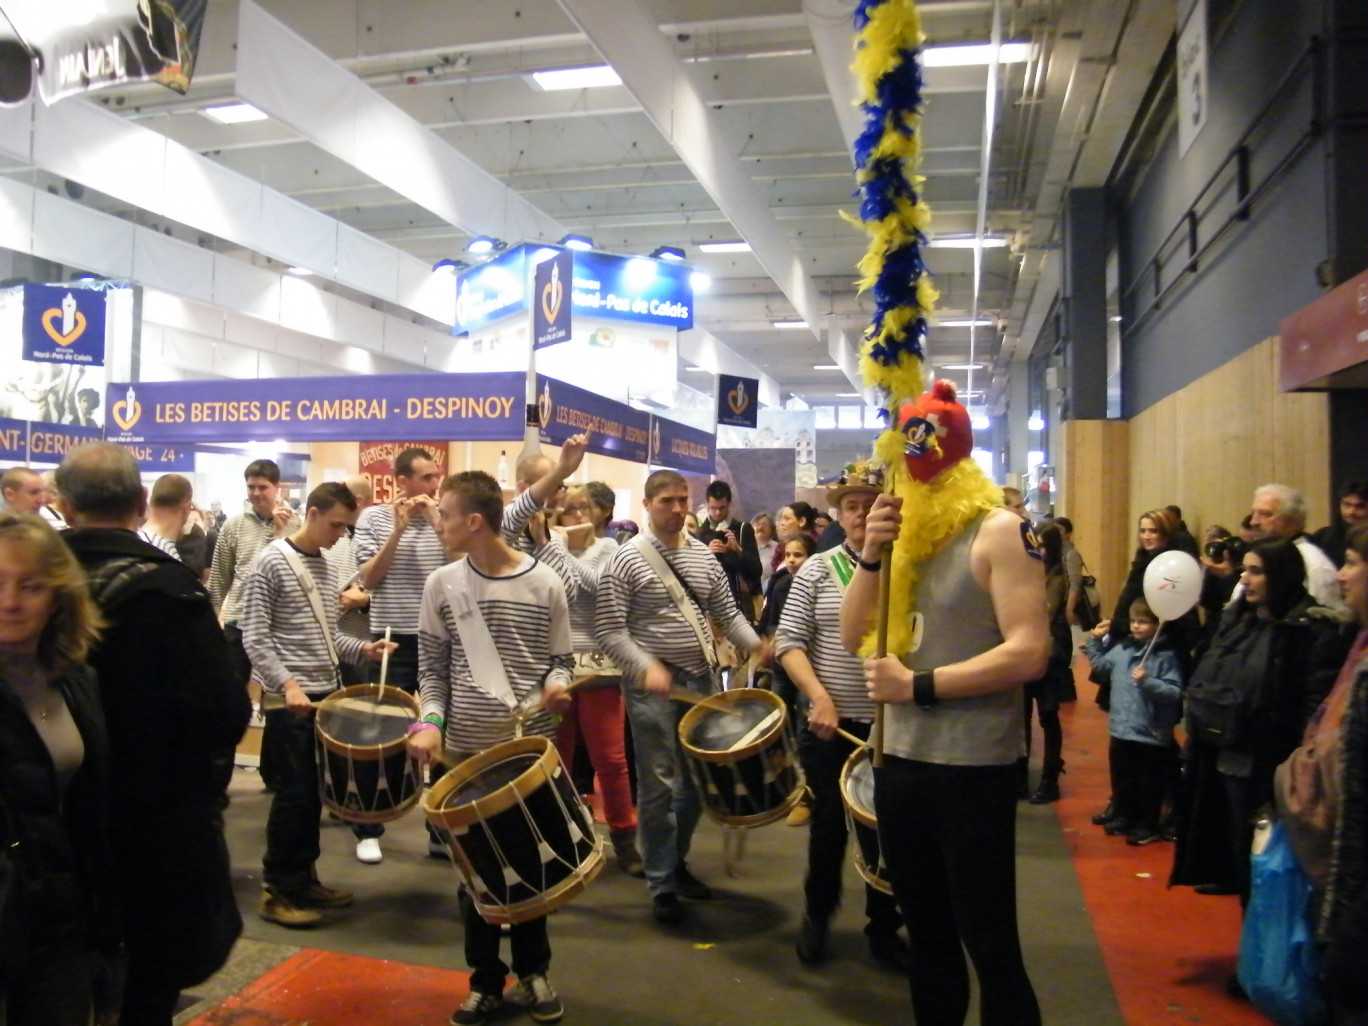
[681,447]
[633,289]
[163,459]
[49,443]
[13,441]
[618,430]
[738,400]
[457,407]
[64,324]
[551,299]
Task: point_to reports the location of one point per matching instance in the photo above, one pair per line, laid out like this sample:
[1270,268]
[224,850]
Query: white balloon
[1173,584]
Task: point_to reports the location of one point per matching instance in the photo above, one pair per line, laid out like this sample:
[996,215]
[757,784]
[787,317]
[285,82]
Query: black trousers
[402,672]
[292,845]
[827,832]
[948,835]
[1139,774]
[531,949]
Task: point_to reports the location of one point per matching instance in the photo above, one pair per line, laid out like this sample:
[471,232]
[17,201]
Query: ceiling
[732,122]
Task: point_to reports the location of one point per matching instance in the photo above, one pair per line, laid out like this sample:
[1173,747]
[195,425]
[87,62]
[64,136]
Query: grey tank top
[958,623]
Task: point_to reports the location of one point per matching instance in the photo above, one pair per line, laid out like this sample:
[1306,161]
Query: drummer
[289,629]
[506,640]
[661,643]
[808,645]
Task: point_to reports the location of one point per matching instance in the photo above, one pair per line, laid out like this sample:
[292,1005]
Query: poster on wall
[52,354]
[795,430]
[377,463]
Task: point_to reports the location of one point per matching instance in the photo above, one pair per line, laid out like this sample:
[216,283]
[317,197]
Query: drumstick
[691,697]
[384,661]
[858,742]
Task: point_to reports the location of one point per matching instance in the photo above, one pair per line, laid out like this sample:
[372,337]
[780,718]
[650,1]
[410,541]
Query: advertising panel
[681,447]
[618,429]
[738,400]
[377,463]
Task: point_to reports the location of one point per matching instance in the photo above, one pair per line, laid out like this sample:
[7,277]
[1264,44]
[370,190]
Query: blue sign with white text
[551,299]
[681,447]
[633,289]
[618,429]
[493,290]
[163,459]
[64,324]
[738,400]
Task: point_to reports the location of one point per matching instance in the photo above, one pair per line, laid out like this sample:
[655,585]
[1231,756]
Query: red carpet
[324,988]
[1168,951]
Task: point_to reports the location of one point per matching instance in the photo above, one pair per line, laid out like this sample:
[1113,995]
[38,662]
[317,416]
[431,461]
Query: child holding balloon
[1146,698]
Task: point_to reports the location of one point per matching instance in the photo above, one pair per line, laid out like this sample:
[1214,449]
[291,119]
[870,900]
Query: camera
[1226,550]
[706,536]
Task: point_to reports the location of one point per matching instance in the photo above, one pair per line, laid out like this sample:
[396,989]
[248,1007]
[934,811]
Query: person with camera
[733,543]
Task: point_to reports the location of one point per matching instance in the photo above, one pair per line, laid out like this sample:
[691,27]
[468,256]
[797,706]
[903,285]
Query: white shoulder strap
[486,668]
[310,589]
[675,589]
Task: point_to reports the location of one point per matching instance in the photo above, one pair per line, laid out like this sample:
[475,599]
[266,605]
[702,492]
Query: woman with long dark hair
[1279,653]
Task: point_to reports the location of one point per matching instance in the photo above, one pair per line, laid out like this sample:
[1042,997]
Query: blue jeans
[668,806]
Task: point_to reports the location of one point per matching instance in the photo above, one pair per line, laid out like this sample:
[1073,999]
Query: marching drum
[522,838]
[741,754]
[857,791]
[361,743]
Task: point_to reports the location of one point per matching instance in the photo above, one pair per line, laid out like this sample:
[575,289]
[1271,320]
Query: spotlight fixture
[448,264]
[667,253]
[577,242]
[483,244]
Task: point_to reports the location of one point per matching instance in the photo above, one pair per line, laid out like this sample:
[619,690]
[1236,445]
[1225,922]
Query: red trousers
[597,714]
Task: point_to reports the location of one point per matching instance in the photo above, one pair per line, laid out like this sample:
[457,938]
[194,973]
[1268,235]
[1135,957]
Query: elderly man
[175,710]
[1280,512]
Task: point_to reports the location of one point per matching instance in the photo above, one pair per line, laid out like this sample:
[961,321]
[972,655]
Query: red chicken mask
[937,432]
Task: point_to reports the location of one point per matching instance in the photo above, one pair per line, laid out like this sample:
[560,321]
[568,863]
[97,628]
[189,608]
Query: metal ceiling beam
[631,41]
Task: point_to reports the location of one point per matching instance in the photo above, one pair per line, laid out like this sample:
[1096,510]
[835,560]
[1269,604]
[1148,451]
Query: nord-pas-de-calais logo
[73,321]
[655,440]
[739,399]
[127,411]
[545,406]
[552,294]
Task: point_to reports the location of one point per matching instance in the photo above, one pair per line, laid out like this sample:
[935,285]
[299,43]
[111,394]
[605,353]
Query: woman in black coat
[1157,532]
[58,929]
[1281,653]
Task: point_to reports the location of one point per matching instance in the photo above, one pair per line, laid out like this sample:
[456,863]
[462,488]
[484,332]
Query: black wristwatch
[873,567]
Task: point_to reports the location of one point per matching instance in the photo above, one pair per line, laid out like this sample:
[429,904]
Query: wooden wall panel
[1207,447]
[1095,488]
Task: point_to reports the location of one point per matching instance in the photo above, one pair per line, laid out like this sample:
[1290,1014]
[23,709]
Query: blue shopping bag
[1279,963]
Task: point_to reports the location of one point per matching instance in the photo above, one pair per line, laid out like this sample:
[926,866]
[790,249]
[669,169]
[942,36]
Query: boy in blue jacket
[1145,705]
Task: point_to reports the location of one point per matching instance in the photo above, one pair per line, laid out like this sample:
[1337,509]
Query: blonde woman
[53,757]
[597,712]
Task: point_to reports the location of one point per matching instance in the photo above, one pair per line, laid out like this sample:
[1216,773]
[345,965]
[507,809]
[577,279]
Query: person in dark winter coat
[1158,532]
[59,928]
[175,711]
[1282,653]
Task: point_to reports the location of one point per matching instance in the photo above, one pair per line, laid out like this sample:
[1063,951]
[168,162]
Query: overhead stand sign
[681,447]
[459,407]
[617,429]
[738,400]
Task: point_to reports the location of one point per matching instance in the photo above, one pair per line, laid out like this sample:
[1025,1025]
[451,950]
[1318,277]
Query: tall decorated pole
[928,434]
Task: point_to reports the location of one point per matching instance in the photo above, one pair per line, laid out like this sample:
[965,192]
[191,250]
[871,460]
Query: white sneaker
[368,850]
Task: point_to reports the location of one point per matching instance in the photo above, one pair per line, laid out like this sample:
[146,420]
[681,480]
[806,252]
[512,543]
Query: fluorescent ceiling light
[577,242]
[700,370]
[737,246]
[788,325]
[847,395]
[962,366]
[577,78]
[301,271]
[1035,422]
[977,53]
[233,113]
[979,422]
[826,366]
[968,322]
[965,242]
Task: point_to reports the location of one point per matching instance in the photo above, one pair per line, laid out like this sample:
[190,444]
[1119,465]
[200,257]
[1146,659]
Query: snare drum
[519,833]
[857,791]
[361,744]
[740,751]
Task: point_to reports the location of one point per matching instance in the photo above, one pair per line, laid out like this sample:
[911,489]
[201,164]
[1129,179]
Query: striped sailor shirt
[554,554]
[396,600]
[241,538]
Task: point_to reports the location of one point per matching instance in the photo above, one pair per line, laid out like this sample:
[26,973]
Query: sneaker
[276,908]
[667,909]
[799,815]
[1117,825]
[689,886]
[535,994]
[368,850]
[315,895]
[476,1008]
[812,941]
[1141,836]
[891,952]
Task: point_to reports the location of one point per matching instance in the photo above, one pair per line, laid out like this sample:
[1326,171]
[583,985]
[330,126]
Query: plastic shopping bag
[1278,963]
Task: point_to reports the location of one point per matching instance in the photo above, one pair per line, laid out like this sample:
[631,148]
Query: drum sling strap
[310,589]
[839,567]
[689,607]
[486,668]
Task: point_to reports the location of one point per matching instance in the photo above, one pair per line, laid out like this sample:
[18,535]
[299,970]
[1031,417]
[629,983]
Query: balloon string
[1157,632]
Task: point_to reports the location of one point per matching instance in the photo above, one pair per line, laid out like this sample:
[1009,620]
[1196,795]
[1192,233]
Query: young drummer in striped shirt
[466,706]
[808,645]
[294,643]
[643,631]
